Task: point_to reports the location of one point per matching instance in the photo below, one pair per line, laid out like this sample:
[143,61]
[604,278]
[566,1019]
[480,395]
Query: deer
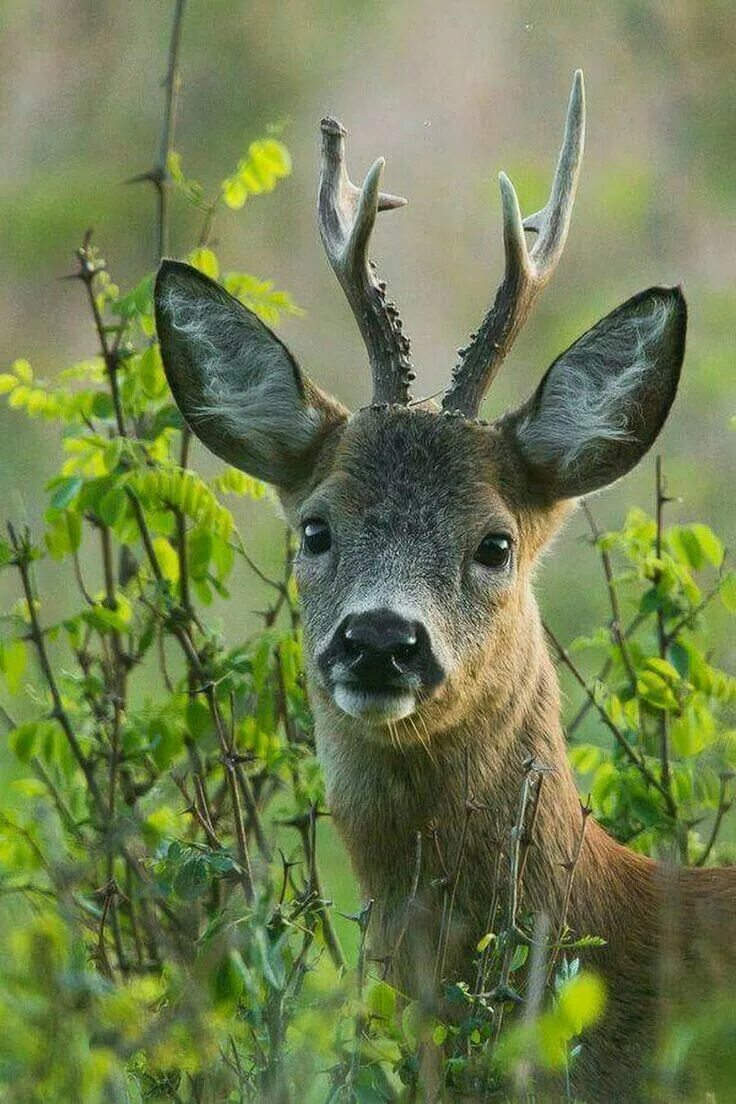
[421,526]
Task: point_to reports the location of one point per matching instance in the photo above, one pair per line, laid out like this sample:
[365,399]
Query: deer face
[420,527]
[410,560]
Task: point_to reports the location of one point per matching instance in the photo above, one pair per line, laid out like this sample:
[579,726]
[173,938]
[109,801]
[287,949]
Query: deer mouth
[376,706]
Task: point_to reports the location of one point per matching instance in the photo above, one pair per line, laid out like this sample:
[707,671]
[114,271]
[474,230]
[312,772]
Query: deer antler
[527,270]
[346,216]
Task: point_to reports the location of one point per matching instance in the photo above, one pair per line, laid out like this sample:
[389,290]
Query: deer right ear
[236,384]
[603,402]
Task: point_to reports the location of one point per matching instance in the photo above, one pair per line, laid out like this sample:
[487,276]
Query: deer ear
[236,384]
[603,402]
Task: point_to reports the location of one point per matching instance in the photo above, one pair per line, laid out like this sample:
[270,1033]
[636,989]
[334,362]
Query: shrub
[169,932]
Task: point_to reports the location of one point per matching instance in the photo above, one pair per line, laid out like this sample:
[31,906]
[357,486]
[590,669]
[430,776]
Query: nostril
[350,641]
[406,651]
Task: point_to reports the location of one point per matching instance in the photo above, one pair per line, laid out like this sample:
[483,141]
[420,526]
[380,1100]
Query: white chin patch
[378,707]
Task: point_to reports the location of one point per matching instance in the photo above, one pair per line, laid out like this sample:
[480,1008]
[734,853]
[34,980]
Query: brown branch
[22,562]
[663,719]
[723,806]
[410,902]
[616,622]
[613,728]
[570,866]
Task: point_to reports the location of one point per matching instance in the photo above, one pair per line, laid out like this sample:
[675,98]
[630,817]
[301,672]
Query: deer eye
[316,536]
[494,550]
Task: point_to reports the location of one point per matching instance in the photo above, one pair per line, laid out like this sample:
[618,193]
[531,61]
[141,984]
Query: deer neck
[382,796]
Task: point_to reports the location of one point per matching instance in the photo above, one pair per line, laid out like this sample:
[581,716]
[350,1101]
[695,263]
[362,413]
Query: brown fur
[501,707]
[408,495]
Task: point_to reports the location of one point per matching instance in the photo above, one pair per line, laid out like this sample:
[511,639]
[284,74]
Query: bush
[169,932]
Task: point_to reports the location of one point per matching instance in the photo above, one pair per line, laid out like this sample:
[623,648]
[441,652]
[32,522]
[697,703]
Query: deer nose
[380,649]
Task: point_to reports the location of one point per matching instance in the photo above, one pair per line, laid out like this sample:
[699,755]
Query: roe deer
[421,527]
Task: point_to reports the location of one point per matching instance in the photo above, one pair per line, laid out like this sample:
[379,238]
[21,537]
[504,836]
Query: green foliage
[168,933]
[663,778]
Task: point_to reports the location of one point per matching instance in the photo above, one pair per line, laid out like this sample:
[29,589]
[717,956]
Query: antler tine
[346,216]
[527,271]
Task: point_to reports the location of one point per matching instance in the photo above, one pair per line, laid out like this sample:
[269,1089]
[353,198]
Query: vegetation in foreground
[170,932]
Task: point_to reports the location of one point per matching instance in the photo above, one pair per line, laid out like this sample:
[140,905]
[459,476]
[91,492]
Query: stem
[410,902]
[664,744]
[619,736]
[37,636]
[571,866]
[616,622]
[723,806]
[160,173]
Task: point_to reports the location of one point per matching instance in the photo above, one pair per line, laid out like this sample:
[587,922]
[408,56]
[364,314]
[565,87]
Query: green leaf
[261,297]
[381,1000]
[234,193]
[234,481]
[585,758]
[23,740]
[205,261]
[439,1034]
[268,161]
[728,592]
[23,370]
[710,544]
[13,661]
[191,880]
[167,559]
[66,490]
[655,691]
[581,1001]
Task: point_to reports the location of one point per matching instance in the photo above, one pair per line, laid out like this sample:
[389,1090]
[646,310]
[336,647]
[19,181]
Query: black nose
[381,650]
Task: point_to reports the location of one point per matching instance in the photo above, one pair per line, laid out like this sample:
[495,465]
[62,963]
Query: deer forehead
[413,474]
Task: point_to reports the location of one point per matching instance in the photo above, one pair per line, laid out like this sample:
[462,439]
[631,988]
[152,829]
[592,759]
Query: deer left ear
[603,402]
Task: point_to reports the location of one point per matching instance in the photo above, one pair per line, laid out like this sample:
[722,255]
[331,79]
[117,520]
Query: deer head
[420,525]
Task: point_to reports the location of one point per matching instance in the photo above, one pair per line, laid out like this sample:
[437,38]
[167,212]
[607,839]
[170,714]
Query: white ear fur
[592,389]
[235,382]
[603,402]
[263,404]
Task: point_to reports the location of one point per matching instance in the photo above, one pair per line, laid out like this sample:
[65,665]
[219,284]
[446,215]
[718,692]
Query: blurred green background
[449,94]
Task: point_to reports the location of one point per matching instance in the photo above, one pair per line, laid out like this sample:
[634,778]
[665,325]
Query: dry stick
[59,713]
[621,739]
[117,690]
[305,824]
[535,995]
[527,838]
[616,622]
[364,921]
[513,936]
[570,866]
[444,940]
[62,808]
[664,748]
[584,709]
[483,961]
[193,808]
[159,175]
[410,902]
[503,991]
[181,533]
[723,807]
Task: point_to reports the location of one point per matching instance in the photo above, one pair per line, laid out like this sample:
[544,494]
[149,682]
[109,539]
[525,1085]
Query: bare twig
[410,902]
[617,630]
[22,562]
[723,807]
[619,736]
[159,175]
